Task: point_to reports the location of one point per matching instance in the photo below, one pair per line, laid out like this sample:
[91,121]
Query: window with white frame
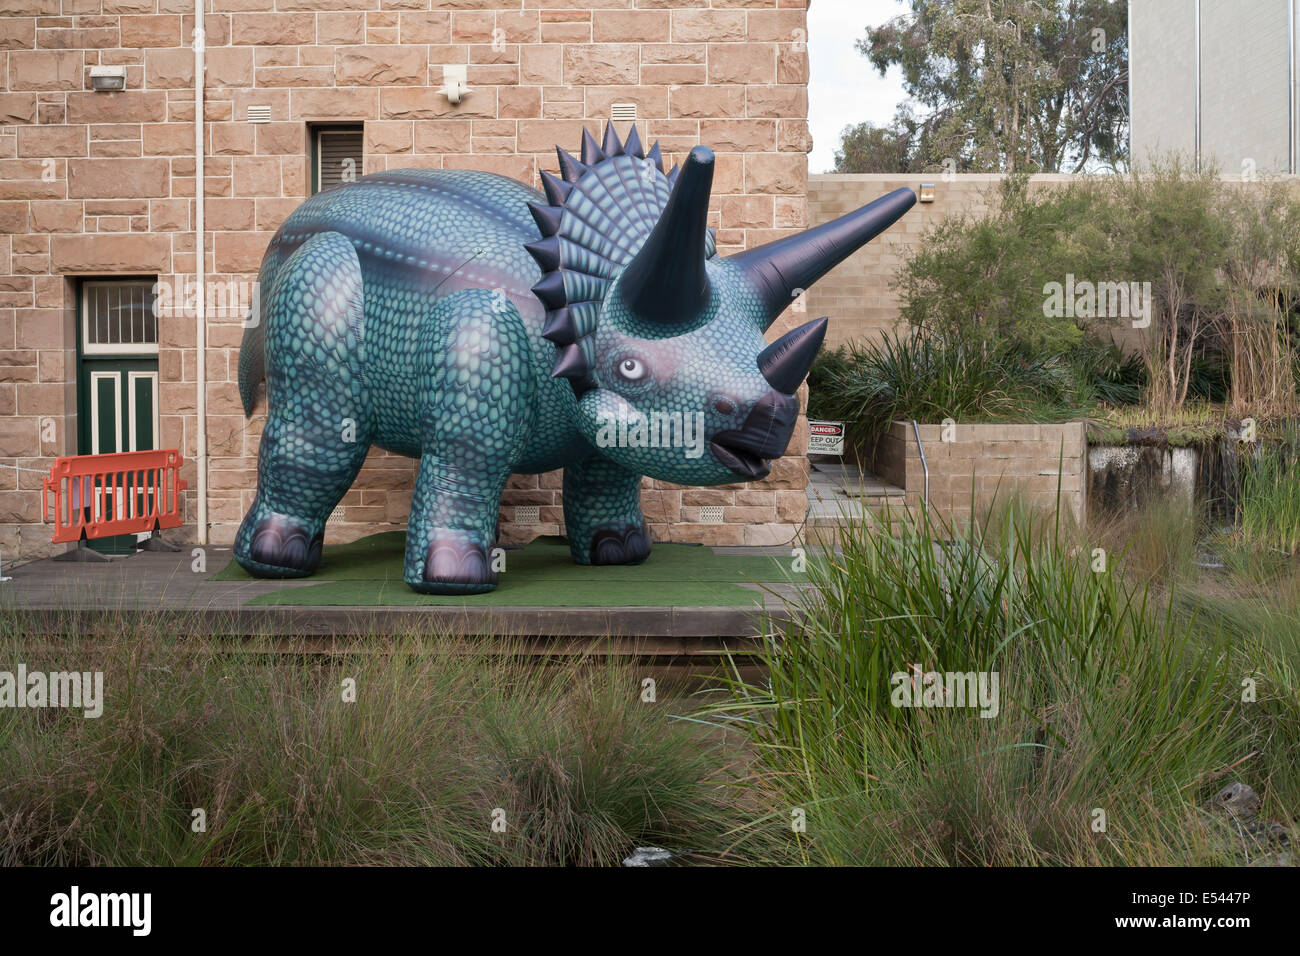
[118,317]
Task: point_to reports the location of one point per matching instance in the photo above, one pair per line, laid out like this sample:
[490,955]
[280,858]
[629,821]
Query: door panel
[142,413]
[105,412]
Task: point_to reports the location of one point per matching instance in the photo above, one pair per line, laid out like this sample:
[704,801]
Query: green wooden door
[117,380]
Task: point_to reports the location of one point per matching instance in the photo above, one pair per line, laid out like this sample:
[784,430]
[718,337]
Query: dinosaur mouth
[748,450]
[744,463]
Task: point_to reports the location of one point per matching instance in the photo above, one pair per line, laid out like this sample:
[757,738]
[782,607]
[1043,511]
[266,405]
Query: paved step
[840,492]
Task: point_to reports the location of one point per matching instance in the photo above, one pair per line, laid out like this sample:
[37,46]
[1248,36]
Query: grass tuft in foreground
[1119,716]
[442,733]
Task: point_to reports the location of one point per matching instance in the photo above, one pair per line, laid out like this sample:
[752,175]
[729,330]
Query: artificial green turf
[368,572]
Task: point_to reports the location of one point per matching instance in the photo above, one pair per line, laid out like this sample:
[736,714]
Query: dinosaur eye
[631,369]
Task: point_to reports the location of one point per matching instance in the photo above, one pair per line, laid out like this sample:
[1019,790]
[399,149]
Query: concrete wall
[103,184]
[1162,87]
[1031,461]
[1245,82]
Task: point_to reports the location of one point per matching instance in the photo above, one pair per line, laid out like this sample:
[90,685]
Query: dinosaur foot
[629,544]
[279,547]
[453,565]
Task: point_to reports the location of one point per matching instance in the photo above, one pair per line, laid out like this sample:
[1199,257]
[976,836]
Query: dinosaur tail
[252,362]
[252,350]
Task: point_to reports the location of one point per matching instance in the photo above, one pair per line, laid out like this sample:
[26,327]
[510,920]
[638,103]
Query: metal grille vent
[259,114]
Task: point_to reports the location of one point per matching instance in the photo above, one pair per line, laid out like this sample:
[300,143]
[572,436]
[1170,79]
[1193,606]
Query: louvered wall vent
[259,114]
[622,112]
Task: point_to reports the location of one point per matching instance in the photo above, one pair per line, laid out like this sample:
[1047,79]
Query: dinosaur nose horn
[786,361]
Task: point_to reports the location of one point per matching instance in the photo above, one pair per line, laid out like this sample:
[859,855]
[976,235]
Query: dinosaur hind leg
[317,432]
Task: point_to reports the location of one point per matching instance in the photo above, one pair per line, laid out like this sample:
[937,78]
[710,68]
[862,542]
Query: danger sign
[825,438]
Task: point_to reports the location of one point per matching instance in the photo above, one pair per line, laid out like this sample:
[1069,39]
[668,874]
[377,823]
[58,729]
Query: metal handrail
[916,430]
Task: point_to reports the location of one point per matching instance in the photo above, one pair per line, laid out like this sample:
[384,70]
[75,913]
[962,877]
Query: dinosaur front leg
[476,414]
[602,513]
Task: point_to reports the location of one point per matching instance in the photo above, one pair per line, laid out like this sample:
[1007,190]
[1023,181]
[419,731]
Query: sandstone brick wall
[1031,461]
[103,184]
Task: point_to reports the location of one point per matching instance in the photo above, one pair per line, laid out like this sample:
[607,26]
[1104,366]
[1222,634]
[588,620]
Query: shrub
[930,378]
[978,278]
[1107,373]
[1107,701]
[1269,503]
[1222,260]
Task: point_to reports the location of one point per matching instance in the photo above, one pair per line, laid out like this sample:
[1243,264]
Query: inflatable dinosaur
[472,322]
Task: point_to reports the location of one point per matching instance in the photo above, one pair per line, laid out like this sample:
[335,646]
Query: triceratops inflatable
[467,320]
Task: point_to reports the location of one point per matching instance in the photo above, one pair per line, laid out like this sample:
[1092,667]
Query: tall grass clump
[1113,718]
[442,732]
[1269,506]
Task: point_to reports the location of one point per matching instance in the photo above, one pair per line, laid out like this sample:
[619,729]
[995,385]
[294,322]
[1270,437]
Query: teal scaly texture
[488,328]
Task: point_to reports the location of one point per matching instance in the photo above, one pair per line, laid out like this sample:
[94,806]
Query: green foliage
[1269,503]
[441,734]
[1009,85]
[1111,375]
[1218,258]
[1166,226]
[981,277]
[930,378]
[868,148]
[1109,699]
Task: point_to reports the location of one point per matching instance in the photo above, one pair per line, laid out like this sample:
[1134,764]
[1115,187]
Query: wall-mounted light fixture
[455,83]
[108,79]
[927,192]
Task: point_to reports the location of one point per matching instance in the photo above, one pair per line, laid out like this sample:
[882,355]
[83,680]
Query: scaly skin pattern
[433,313]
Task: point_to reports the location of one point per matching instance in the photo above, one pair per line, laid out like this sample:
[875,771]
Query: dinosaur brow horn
[781,269]
[666,280]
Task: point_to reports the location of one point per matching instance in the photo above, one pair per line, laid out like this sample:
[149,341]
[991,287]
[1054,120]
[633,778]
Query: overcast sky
[843,87]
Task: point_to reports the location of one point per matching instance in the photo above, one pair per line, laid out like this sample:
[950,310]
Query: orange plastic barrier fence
[97,496]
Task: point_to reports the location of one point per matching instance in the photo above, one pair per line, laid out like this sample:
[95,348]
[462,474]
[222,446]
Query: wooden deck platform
[58,597]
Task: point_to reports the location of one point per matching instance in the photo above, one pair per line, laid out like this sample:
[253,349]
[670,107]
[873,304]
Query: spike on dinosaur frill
[546,252]
[610,145]
[591,152]
[656,156]
[632,146]
[672,174]
[571,364]
[560,327]
[546,217]
[550,290]
[557,190]
[570,168]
